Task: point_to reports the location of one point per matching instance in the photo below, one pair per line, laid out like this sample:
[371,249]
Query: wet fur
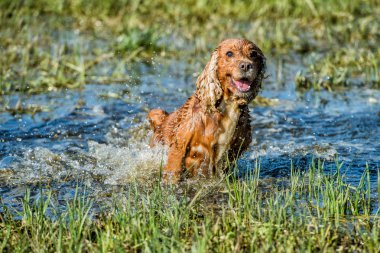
[213,126]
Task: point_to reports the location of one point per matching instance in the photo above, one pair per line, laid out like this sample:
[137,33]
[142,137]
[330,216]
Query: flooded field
[77,79]
[98,137]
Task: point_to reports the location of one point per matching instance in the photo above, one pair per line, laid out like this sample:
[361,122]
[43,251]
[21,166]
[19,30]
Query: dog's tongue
[242,85]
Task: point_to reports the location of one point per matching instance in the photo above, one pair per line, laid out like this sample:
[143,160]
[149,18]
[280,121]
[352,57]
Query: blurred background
[53,44]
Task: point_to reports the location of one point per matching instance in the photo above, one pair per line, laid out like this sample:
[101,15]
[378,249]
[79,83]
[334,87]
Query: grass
[52,45]
[307,212]
[345,67]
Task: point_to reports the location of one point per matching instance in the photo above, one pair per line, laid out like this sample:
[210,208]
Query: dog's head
[236,70]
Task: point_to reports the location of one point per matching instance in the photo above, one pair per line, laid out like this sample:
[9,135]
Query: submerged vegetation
[308,211]
[49,45]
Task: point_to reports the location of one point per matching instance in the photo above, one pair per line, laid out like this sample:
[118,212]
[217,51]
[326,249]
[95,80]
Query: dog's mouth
[242,85]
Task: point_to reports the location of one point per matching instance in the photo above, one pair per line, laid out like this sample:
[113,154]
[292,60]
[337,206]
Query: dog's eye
[229,54]
[253,54]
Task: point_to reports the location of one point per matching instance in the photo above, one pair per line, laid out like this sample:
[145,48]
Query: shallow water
[98,136]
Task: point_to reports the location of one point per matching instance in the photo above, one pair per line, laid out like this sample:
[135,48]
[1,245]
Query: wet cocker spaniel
[213,127]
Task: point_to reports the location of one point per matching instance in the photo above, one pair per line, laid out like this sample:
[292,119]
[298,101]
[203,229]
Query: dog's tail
[156,117]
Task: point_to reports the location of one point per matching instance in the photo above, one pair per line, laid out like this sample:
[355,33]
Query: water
[99,136]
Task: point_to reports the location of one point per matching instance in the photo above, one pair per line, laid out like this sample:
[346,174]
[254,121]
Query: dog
[213,127]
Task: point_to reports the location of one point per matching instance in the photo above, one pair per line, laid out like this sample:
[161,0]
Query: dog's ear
[209,90]
[261,75]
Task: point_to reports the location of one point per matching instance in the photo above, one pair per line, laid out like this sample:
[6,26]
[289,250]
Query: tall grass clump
[311,211]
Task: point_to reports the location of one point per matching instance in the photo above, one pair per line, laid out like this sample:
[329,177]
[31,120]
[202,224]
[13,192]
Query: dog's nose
[245,66]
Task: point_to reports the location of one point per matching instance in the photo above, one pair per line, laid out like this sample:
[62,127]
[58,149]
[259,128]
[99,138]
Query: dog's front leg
[172,171]
[176,154]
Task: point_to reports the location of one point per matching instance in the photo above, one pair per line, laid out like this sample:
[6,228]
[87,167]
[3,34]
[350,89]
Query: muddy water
[97,137]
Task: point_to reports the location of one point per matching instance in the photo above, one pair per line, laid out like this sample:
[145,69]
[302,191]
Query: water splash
[102,140]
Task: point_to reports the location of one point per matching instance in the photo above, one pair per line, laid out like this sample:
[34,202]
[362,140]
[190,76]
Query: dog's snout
[245,66]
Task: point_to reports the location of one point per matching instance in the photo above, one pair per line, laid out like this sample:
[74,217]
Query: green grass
[345,67]
[56,44]
[307,212]
[52,45]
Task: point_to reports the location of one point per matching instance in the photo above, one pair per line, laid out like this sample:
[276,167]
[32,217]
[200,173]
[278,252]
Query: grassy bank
[49,45]
[307,212]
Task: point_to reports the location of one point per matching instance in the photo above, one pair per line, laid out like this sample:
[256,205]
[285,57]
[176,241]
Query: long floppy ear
[209,90]
[261,75]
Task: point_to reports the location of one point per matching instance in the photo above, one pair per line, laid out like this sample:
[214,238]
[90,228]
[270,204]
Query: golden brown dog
[213,126]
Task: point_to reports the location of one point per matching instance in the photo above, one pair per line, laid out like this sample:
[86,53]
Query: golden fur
[213,126]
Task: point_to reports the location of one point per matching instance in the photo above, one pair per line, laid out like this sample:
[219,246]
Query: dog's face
[240,68]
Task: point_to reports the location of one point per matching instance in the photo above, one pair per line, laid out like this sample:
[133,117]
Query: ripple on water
[88,136]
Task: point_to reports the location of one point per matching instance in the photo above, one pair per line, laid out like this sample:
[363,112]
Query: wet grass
[56,45]
[346,67]
[308,212]
[52,45]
